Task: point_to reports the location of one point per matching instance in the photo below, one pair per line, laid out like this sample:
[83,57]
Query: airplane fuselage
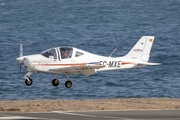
[42,64]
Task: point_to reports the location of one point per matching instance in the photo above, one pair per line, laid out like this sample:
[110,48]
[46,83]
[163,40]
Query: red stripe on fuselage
[60,64]
[125,63]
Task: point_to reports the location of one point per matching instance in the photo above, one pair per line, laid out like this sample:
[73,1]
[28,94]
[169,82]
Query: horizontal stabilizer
[148,63]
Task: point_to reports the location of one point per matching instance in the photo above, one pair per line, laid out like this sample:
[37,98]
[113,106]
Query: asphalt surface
[95,115]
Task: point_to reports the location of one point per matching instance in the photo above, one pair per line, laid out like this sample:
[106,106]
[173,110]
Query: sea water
[97,26]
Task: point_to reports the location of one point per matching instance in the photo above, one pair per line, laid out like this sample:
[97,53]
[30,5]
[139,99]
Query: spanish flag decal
[150,40]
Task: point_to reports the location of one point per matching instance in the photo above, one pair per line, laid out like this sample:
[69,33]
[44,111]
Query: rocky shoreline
[81,105]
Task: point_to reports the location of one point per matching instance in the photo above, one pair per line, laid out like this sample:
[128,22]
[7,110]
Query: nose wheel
[28,81]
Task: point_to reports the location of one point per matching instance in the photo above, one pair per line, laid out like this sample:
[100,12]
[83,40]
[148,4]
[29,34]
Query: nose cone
[20,59]
[27,63]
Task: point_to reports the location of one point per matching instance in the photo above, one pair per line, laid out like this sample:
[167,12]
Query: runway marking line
[118,110]
[18,118]
[84,115]
[13,117]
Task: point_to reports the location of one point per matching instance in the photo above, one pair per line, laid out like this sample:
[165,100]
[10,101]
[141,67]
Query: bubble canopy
[58,53]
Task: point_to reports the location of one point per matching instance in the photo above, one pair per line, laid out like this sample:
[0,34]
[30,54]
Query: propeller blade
[20,67]
[20,58]
[21,49]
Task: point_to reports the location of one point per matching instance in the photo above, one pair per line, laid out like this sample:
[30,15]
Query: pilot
[63,53]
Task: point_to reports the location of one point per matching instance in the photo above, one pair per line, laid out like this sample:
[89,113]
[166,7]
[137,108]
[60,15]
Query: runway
[95,115]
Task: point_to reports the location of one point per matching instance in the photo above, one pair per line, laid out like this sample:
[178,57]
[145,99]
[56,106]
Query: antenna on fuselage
[112,52]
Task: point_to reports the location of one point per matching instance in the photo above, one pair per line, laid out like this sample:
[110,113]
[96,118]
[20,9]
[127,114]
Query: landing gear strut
[68,83]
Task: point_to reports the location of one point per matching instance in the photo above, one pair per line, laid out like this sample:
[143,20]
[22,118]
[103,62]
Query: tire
[68,84]
[55,82]
[28,82]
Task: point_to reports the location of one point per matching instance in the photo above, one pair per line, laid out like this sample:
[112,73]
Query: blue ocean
[97,26]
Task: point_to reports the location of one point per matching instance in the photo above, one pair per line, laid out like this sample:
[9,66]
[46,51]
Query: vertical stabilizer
[141,50]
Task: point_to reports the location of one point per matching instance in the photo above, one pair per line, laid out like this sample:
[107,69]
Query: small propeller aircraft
[70,60]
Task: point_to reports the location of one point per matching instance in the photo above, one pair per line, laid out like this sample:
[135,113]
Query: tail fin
[141,50]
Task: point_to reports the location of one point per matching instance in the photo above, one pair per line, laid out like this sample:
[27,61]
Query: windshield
[50,53]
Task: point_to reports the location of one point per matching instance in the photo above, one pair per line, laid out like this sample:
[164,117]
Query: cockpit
[58,53]
[66,52]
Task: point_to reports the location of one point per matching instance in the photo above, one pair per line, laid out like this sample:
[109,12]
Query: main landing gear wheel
[55,82]
[28,81]
[68,84]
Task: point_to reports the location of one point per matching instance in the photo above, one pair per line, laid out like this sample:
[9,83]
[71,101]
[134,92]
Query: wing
[84,69]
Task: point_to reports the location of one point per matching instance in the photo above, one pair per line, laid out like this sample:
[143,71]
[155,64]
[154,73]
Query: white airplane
[70,60]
